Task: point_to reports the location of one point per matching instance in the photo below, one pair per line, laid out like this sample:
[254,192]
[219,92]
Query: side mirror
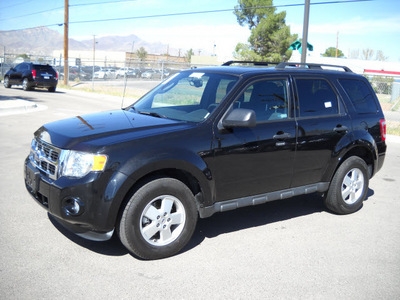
[240,117]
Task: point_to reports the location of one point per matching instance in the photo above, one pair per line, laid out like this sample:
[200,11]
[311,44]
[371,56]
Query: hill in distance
[43,41]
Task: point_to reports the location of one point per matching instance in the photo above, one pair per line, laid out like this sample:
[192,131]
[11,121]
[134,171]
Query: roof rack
[313,66]
[255,63]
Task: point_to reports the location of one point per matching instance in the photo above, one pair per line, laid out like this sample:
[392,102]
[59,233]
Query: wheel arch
[194,178]
[360,144]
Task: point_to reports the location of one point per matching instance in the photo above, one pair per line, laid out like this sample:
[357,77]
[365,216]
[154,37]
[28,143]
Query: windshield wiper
[151,113]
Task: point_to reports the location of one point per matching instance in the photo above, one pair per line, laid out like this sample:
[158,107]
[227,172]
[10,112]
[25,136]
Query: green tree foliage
[141,53]
[331,52]
[188,55]
[24,56]
[270,37]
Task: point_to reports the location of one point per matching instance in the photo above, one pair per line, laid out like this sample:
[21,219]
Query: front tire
[349,186]
[159,219]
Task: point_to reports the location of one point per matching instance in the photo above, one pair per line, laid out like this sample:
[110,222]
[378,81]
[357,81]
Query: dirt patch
[386,106]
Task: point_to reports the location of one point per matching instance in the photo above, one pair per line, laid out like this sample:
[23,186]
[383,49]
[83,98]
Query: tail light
[57,75]
[382,122]
[34,74]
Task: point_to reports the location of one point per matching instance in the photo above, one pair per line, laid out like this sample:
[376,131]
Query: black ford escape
[31,75]
[209,140]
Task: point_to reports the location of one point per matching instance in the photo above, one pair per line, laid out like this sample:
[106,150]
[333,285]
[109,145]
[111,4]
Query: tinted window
[269,100]
[43,68]
[360,95]
[316,98]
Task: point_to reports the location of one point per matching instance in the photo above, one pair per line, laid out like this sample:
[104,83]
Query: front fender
[157,160]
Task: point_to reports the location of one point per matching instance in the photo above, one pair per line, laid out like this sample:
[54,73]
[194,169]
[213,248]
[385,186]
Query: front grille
[49,151]
[45,157]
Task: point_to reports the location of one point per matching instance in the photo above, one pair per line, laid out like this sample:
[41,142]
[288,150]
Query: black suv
[31,75]
[209,140]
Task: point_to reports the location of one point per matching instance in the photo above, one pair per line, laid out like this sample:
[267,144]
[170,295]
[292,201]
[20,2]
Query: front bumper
[97,213]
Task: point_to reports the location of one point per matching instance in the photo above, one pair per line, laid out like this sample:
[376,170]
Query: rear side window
[316,98]
[360,95]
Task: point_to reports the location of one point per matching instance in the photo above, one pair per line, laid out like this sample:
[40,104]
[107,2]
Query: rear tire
[349,186]
[6,82]
[52,89]
[159,219]
[25,85]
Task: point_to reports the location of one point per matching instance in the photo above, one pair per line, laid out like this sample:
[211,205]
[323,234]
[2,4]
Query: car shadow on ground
[220,223]
[34,90]
[27,98]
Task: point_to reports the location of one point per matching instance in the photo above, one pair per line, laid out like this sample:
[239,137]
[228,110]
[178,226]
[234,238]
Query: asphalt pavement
[289,249]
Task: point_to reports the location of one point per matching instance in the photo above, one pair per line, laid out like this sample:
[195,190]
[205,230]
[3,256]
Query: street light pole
[305,31]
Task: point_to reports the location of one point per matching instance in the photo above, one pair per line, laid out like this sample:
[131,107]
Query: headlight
[79,164]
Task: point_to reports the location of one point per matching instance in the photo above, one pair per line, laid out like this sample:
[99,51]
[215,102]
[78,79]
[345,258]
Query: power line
[16,4]
[186,13]
[208,11]
[62,7]
[108,2]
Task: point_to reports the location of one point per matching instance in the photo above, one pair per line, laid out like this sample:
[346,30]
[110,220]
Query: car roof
[280,69]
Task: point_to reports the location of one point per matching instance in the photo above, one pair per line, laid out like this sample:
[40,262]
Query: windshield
[187,96]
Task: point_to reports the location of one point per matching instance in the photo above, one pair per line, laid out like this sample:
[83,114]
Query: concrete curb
[17,106]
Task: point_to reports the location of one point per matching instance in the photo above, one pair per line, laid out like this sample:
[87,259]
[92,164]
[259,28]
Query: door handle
[340,128]
[282,136]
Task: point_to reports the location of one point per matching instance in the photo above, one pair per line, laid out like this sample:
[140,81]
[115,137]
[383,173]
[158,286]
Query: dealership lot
[287,249]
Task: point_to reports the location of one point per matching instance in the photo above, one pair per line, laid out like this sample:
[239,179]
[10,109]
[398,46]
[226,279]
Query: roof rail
[313,66]
[255,63]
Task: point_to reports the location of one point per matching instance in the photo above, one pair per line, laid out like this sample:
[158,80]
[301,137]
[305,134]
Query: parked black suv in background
[31,75]
[209,140]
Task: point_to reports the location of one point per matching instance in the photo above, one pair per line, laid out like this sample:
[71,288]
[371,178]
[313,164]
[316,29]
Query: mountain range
[43,40]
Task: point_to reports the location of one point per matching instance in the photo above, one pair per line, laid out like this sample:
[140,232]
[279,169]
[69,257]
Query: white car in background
[129,72]
[105,73]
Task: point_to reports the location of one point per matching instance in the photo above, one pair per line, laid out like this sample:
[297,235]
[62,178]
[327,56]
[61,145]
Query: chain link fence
[382,84]
[104,72]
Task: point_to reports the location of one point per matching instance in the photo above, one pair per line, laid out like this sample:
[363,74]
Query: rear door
[257,160]
[16,75]
[322,123]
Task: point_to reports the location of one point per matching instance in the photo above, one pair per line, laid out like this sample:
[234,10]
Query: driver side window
[268,98]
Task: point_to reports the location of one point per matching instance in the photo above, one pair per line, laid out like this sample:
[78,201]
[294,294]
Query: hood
[109,127]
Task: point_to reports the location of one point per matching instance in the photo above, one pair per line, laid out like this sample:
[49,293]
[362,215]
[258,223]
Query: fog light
[73,206]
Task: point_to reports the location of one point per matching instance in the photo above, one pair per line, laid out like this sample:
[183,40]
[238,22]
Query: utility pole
[305,31]
[337,43]
[94,59]
[66,73]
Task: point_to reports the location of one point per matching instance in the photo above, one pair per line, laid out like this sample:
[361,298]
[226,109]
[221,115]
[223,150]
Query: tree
[380,56]
[367,54]
[141,53]
[24,56]
[331,52]
[188,55]
[355,53]
[270,37]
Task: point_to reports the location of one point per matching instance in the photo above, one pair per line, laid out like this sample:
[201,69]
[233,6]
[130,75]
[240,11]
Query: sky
[357,25]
